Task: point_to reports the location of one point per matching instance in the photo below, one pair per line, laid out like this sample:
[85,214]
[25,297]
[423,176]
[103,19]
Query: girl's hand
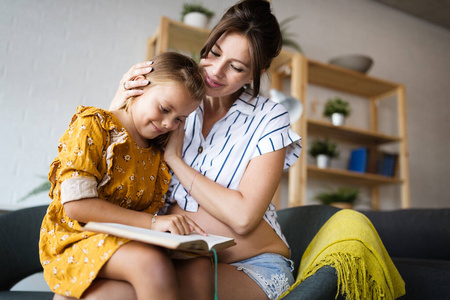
[131,84]
[177,224]
[174,145]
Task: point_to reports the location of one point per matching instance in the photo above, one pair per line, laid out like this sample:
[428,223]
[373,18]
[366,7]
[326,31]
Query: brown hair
[172,67]
[254,20]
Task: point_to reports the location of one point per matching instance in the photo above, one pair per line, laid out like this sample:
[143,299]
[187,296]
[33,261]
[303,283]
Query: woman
[228,167]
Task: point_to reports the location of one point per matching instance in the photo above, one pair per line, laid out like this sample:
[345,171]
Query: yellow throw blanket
[349,243]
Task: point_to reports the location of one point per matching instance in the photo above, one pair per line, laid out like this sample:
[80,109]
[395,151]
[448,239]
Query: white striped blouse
[252,127]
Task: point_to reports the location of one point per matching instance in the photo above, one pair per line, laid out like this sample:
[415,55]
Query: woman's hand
[174,145]
[176,224]
[131,84]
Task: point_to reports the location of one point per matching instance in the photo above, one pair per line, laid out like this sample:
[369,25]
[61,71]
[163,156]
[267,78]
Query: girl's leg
[106,289]
[195,278]
[147,268]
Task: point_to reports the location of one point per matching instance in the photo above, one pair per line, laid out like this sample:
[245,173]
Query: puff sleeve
[80,164]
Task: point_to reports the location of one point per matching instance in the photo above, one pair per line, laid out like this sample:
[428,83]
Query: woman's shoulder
[263,104]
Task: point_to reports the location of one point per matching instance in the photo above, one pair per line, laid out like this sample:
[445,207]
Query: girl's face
[227,67]
[162,108]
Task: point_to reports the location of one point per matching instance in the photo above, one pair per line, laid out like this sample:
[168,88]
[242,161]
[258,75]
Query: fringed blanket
[349,243]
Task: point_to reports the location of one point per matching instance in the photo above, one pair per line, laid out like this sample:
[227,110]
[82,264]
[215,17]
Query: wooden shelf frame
[306,72]
[175,35]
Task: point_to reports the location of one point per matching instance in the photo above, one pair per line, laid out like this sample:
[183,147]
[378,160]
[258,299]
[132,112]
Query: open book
[194,242]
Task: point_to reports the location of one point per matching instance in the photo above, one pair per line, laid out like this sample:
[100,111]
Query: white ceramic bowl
[358,63]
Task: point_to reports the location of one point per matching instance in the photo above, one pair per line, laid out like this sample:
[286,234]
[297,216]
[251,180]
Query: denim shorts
[272,272]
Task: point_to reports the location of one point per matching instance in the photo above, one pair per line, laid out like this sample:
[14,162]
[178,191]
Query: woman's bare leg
[195,278]
[235,284]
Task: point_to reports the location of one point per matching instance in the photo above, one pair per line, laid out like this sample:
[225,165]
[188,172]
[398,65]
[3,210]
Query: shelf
[349,133]
[303,72]
[347,81]
[351,177]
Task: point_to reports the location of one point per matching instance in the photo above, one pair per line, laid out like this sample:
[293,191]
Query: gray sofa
[418,241]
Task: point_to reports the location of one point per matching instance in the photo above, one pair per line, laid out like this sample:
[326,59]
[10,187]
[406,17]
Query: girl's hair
[174,68]
[254,20]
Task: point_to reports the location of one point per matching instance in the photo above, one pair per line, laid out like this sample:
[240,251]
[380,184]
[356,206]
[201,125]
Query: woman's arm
[241,209]
[98,210]
[129,86]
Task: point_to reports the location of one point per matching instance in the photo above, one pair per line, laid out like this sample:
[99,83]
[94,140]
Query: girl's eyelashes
[163,109]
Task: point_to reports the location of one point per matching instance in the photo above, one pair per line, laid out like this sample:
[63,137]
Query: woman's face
[227,66]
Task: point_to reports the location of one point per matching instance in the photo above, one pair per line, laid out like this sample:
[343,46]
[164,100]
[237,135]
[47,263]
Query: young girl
[110,168]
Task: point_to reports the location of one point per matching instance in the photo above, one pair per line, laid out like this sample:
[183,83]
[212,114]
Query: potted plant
[337,109]
[195,14]
[343,197]
[323,150]
[41,188]
[287,36]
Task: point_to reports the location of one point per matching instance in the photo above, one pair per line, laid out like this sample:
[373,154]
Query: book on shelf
[358,160]
[374,161]
[193,243]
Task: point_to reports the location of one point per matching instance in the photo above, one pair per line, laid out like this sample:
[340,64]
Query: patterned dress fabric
[97,158]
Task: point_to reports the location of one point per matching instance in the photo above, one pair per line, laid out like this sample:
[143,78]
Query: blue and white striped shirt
[252,127]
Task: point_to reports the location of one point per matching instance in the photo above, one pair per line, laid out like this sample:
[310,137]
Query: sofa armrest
[300,225]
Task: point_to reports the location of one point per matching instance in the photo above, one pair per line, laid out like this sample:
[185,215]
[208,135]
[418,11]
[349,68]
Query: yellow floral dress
[96,159]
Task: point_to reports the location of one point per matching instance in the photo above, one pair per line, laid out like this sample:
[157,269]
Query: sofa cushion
[26,295]
[414,233]
[19,253]
[424,278]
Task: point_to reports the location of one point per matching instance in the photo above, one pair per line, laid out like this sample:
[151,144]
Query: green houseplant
[337,108]
[323,150]
[195,14]
[288,40]
[343,197]
[41,188]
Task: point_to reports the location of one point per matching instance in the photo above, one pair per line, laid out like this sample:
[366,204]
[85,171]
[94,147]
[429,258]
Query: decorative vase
[196,19]
[337,119]
[323,161]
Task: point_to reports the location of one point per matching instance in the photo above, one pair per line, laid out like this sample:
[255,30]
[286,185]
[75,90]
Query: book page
[193,242]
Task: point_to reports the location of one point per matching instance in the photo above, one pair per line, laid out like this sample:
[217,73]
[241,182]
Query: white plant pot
[196,19]
[323,161]
[337,119]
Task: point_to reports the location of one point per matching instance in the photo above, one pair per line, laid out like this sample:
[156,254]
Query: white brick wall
[57,54]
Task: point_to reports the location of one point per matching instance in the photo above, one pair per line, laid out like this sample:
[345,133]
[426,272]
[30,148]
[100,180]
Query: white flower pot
[337,119]
[323,161]
[196,19]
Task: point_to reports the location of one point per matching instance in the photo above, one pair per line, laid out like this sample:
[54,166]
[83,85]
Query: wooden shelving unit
[350,82]
[174,35]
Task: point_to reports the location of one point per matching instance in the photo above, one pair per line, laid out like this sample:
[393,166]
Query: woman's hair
[254,20]
[174,68]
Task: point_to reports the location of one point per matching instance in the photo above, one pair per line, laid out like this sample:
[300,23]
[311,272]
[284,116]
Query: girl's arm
[98,210]
[241,209]
[129,86]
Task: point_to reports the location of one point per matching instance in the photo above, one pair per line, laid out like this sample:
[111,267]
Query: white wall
[57,54]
